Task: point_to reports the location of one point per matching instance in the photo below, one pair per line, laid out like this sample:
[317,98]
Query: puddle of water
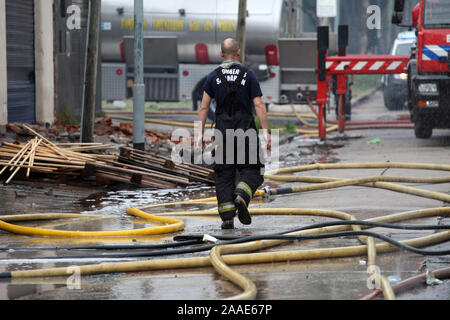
[117,202]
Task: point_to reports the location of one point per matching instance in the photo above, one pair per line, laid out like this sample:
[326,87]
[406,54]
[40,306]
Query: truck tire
[422,129]
[347,106]
[393,104]
[412,71]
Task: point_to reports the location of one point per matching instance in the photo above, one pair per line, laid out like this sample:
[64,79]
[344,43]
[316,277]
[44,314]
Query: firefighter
[236,91]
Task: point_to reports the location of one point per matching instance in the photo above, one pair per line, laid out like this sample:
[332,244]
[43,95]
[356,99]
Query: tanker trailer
[182,43]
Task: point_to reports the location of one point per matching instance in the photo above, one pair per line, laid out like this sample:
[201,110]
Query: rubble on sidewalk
[104,130]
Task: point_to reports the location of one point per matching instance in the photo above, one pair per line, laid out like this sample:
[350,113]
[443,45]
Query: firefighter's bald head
[230,49]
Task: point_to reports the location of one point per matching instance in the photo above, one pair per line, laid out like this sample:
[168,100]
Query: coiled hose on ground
[224,255]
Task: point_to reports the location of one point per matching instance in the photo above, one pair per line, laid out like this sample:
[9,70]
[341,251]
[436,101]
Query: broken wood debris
[134,167]
[43,156]
[148,170]
[165,164]
[114,171]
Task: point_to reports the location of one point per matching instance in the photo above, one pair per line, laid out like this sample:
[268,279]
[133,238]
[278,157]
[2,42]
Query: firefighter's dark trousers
[249,179]
[242,176]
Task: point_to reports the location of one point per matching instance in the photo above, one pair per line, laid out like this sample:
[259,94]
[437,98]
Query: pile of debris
[141,177]
[54,133]
[43,156]
[164,164]
[148,170]
[139,168]
[123,133]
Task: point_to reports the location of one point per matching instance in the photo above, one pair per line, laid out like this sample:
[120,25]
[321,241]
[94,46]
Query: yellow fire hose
[173,226]
[249,292]
[231,252]
[246,284]
[268,257]
[312,133]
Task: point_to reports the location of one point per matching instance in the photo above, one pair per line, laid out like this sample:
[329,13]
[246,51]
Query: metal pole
[322,47]
[342,79]
[92,72]
[337,20]
[84,72]
[341,120]
[322,123]
[241,32]
[139,86]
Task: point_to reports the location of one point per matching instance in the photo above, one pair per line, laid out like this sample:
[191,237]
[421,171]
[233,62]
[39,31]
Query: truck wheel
[347,106]
[412,71]
[393,104]
[422,129]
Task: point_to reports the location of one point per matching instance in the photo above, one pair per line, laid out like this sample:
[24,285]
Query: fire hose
[384,124]
[222,256]
[356,125]
[185,240]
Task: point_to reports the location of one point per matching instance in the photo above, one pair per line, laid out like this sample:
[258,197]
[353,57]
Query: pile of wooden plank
[164,164]
[135,167]
[142,177]
[43,156]
[148,170]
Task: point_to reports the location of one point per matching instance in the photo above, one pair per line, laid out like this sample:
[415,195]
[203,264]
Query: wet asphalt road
[326,279]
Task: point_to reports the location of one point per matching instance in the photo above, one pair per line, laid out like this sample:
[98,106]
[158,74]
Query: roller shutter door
[20,53]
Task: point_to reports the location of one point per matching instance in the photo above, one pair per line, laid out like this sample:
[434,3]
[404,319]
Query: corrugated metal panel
[161,87]
[20,50]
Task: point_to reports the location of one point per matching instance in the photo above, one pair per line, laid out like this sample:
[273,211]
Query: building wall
[70,51]
[59,61]
[20,50]
[41,64]
[44,62]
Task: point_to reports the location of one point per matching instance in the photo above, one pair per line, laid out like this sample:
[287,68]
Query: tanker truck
[182,43]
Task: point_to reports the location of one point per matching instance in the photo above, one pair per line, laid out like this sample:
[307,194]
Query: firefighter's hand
[268,139]
[199,142]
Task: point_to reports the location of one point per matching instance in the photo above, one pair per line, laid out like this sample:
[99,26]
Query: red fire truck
[429,66]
